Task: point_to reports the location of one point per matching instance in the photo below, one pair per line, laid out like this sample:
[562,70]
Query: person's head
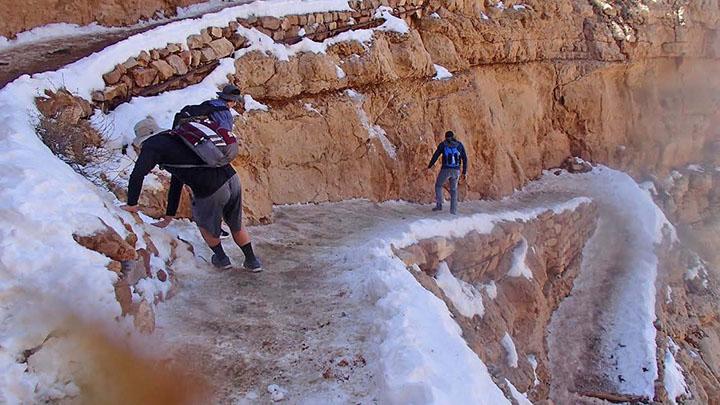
[230,94]
[145,129]
[449,135]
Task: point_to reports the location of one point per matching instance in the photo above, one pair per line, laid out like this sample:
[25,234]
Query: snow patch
[490,289]
[252,105]
[374,130]
[509,346]
[277,393]
[674,380]
[442,73]
[392,23]
[464,297]
[518,396]
[519,266]
[339,72]
[534,364]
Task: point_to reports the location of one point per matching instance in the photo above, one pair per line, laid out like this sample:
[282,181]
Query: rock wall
[180,65]
[16,17]
[518,306]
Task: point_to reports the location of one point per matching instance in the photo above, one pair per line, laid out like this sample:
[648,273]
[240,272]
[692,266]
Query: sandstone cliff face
[16,17]
[530,87]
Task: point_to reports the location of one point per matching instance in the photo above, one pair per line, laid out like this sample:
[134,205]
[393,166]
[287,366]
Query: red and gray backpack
[215,145]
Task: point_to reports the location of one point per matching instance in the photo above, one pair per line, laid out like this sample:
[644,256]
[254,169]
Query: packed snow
[464,297]
[510,351]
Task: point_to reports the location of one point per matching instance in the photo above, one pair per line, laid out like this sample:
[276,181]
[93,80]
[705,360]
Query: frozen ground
[53,46]
[329,321]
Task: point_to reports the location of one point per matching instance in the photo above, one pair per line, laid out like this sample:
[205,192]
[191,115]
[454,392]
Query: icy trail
[58,46]
[318,322]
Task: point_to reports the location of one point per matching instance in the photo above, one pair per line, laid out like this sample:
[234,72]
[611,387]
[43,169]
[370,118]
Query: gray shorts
[224,204]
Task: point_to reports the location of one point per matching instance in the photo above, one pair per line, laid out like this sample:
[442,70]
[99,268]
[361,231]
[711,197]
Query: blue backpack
[452,155]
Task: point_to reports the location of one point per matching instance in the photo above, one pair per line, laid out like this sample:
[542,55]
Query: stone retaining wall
[180,65]
[518,306]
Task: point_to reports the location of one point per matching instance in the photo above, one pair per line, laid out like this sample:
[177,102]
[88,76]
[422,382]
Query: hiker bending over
[216,191]
[453,156]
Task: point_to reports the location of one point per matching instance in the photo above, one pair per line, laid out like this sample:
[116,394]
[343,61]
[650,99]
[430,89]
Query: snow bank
[423,357]
[464,297]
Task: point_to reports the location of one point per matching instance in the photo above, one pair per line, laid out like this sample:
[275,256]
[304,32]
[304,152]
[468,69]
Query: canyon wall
[530,88]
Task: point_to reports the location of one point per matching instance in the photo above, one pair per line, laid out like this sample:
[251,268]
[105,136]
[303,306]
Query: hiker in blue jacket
[453,157]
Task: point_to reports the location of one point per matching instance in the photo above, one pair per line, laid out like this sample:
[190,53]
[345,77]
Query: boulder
[178,65]
[107,242]
[207,55]
[165,71]
[143,76]
[114,75]
[195,41]
[222,47]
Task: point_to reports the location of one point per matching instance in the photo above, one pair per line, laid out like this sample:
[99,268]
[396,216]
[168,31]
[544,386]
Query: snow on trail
[602,336]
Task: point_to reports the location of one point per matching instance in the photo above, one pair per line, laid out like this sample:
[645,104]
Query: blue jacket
[440,152]
[224,118]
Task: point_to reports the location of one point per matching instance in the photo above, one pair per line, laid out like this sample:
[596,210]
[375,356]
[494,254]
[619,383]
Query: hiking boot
[253,265]
[221,262]
[437,209]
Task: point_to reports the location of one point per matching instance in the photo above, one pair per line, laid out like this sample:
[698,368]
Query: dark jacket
[440,152]
[225,117]
[165,148]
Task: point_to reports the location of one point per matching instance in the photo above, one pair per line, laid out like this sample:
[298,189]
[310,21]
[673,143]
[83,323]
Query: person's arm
[144,164]
[464,159]
[436,155]
[174,194]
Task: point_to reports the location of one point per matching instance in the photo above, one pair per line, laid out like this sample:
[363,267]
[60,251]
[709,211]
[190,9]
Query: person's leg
[454,178]
[441,178]
[241,237]
[232,213]
[207,214]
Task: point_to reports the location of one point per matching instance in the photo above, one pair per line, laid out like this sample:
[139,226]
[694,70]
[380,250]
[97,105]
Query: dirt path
[292,325]
[52,54]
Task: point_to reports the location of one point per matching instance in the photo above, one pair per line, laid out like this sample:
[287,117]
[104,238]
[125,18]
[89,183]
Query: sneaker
[224,234]
[253,265]
[437,209]
[220,263]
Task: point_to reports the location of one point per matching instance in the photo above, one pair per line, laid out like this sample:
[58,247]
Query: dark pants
[454,176]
